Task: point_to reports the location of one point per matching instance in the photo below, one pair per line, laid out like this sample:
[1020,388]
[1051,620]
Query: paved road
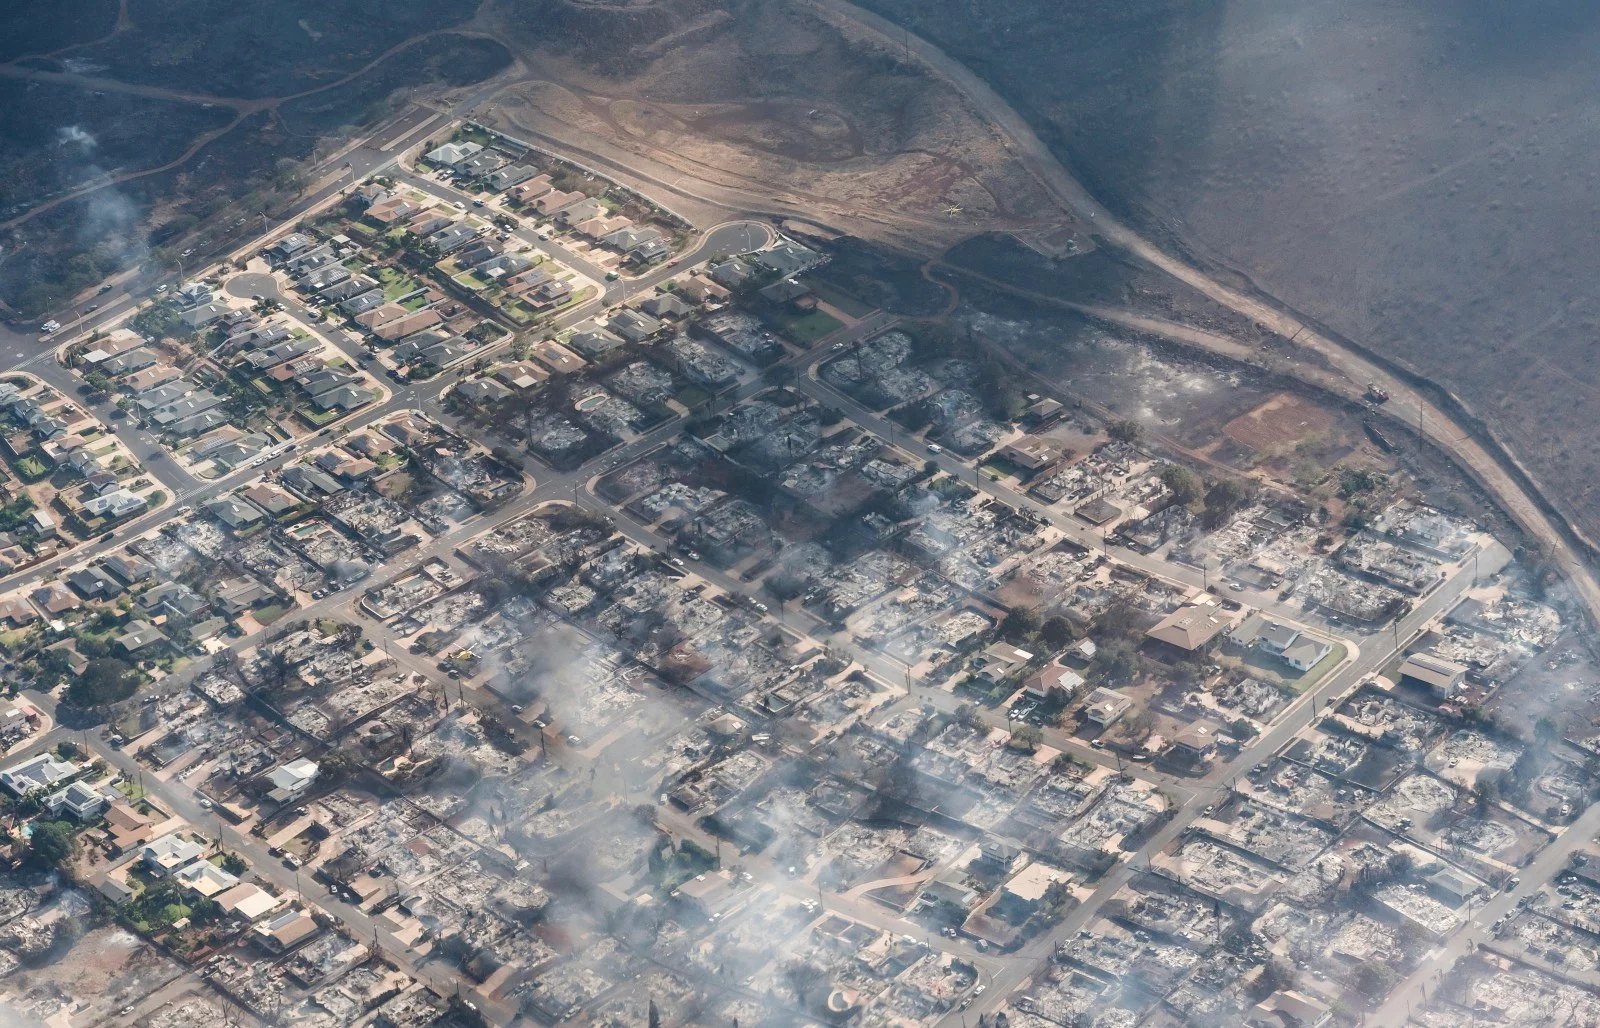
[251,284]
[732,237]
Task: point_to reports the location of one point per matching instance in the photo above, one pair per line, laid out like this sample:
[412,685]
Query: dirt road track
[1528,510]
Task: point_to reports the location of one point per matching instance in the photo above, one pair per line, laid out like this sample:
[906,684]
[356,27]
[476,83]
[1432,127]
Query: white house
[1305,652]
[1292,646]
[205,878]
[291,780]
[168,853]
[1106,707]
[451,154]
[79,800]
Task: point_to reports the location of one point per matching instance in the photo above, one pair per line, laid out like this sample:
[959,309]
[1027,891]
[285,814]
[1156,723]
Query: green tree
[1184,484]
[1115,661]
[1225,497]
[51,844]
[52,668]
[1056,632]
[104,681]
[1026,737]
[967,716]
[1358,480]
[1125,431]
[1020,625]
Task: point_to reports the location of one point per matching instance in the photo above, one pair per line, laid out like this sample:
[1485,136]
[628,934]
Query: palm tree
[276,670]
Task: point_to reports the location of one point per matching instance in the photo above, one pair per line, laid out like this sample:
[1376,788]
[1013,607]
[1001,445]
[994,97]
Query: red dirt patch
[1278,424]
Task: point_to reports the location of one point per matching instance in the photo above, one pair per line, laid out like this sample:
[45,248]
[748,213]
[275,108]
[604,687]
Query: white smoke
[72,134]
[11,1017]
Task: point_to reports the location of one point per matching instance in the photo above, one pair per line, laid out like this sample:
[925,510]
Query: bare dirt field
[1279,424]
[748,106]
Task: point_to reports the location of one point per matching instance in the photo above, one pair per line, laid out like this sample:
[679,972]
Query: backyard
[806,328]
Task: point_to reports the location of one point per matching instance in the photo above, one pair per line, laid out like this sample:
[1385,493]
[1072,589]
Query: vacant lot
[1279,424]
[45,26]
[59,137]
[1417,176]
[762,106]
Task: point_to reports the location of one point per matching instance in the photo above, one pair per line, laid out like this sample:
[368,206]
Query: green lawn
[834,297]
[1275,671]
[805,329]
[1320,669]
[396,282]
[270,613]
[519,312]
[692,397]
[31,469]
[130,787]
[1003,468]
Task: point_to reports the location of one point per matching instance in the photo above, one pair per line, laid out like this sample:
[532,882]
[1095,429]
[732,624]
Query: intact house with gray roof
[141,637]
[593,341]
[188,406]
[172,598]
[203,315]
[235,512]
[453,238]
